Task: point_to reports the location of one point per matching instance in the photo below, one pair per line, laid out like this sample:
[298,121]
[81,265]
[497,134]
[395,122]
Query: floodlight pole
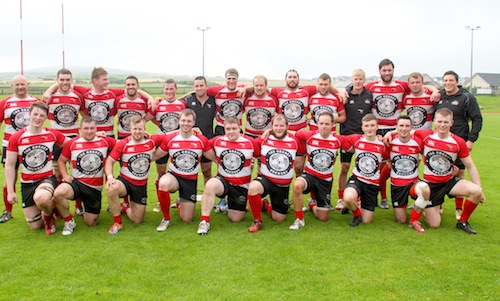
[203,29]
[471,28]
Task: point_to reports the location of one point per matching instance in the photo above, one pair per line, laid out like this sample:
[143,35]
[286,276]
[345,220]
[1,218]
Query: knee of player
[254,188]
[62,191]
[299,185]
[476,191]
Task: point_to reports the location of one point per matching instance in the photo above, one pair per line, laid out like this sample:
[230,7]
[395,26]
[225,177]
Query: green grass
[322,261]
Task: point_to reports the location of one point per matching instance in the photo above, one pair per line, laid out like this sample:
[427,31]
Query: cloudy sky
[256,37]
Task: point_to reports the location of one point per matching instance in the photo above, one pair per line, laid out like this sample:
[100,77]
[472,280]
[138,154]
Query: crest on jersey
[386,105]
[418,116]
[169,122]
[100,111]
[20,118]
[320,109]
[258,118]
[367,164]
[440,163]
[231,107]
[35,157]
[322,159]
[90,162]
[279,162]
[65,115]
[404,165]
[232,161]
[125,118]
[185,160]
[138,165]
[293,110]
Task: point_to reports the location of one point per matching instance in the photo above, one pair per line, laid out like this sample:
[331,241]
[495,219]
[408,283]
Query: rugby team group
[290,132]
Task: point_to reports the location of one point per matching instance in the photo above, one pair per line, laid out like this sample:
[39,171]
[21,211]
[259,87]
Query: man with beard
[227,100]
[205,109]
[278,153]
[387,107]
[418,104]
[322,147]
[87,154]
[325,101]
[135,155]
[130,105]
[234,153]
[465,108]
[14,111]
[441,150]
[185,149]
[33,146]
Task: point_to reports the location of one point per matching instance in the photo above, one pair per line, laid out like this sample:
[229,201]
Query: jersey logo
[279,162]
[138,165]
[440,163]
[20,118]
[65,115]
[90,162]
[404,165]
[366,164]
[322,159]
[35,157]
[125,118]
[293,110]
[185,160]
[232,161]
[100,111]
[386,105]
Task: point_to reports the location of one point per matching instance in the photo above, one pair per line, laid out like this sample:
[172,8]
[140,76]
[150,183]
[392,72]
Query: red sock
[469,207]
[205,218]
[356,212]
[414,216]
[68,218]
[117,219]
[312,205]
[47,218]
[255,202]
[164,199]
[126,199]
[78,203]
[340,193]
[269,209]
[384,175]
[312,194]
[125,207]
[459,203]
[299,214]
[8,206]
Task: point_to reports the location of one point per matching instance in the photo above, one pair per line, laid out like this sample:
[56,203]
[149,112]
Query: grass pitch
[322,261]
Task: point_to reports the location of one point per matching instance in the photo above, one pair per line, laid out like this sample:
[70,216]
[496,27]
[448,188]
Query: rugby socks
[117,219]
[205,218]
[68,218]
[269,209]
[459,203]
[299,214]
[414,216]
[78,203]
[126,199]
[255,202]
[164,199]
[312,205]
[384,175]
[340,194]
[8,206]
[125,207]
[469,207]
[356,212]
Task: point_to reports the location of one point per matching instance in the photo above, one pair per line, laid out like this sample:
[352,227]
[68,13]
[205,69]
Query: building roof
[493,79]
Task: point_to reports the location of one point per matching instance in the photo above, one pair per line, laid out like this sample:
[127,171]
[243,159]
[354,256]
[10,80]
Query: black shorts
[163,160]
[187,188]
[400,194]
[382,132]
[205,159]
[277,194]
[345,157]
[4,156]
[236,195]
[367,192]
[459,164]
[439,190]
[138,194]
[91,197]
[321,188]
[28,190]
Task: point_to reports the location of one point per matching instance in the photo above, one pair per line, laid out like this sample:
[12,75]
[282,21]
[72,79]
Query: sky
[255,37]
